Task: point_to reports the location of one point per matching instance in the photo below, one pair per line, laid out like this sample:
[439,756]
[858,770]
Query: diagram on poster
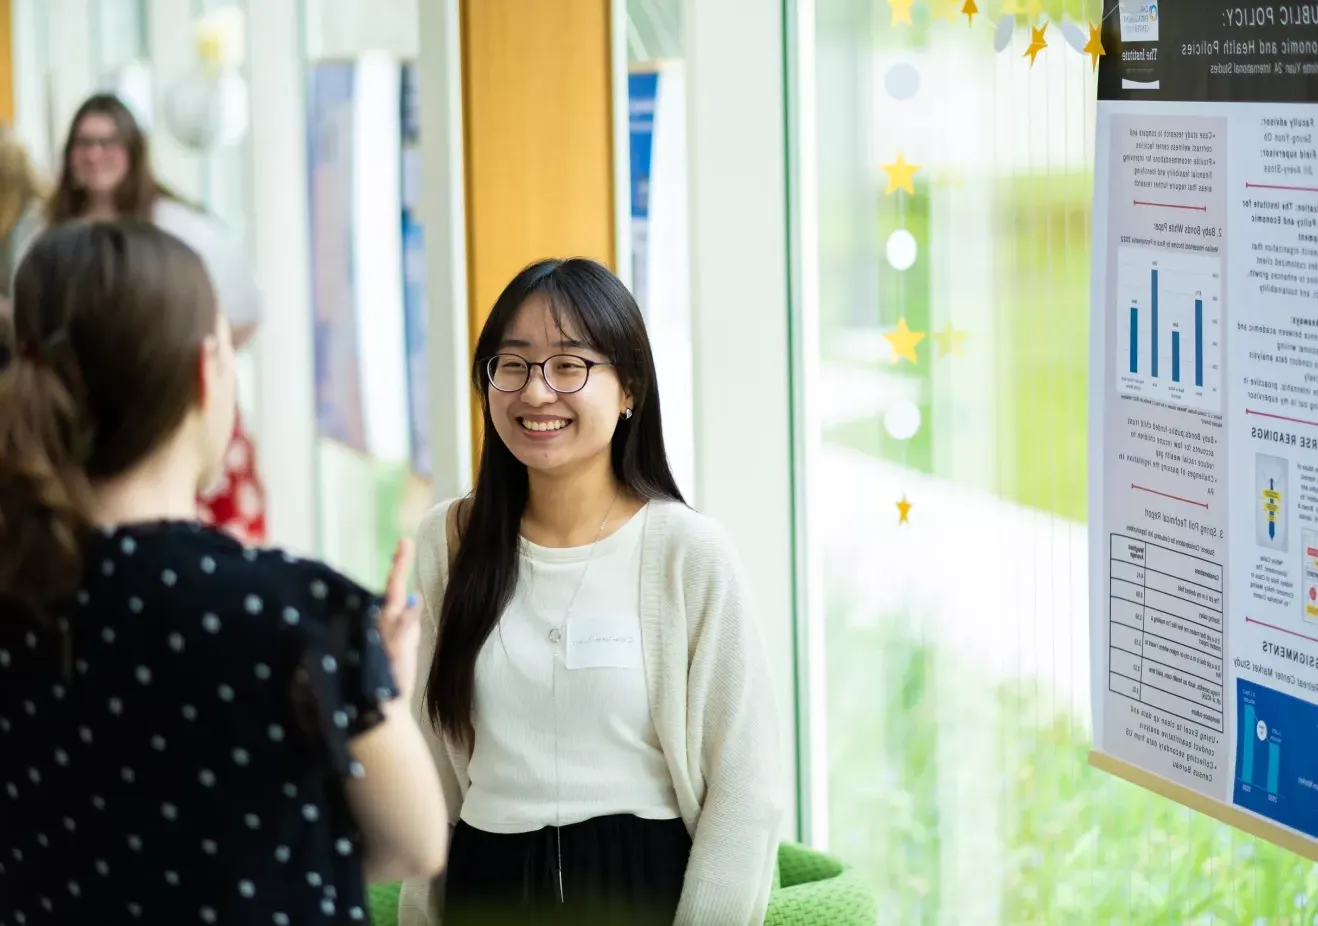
[1173,330]
[1204,422]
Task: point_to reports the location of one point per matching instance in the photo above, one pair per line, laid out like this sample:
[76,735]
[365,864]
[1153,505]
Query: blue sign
[642,93]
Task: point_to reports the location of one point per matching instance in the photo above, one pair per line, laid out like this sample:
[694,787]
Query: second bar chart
[1169,327]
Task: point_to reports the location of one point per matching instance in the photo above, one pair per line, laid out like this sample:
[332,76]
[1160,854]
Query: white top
[229,268]
[711,703]
[226,263]
[563,728]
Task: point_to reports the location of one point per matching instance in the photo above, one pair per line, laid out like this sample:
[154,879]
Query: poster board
[7,63]
[1204,409]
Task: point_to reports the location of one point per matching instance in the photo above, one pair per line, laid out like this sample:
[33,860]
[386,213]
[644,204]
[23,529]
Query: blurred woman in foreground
[191,731]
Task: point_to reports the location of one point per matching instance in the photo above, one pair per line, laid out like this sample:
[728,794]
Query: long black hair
[586,297]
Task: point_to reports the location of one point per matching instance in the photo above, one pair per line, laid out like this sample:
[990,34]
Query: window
[953,212]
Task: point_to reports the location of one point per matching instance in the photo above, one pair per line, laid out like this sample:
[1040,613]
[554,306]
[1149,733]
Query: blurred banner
[330,103]
[414,277]
[661,253]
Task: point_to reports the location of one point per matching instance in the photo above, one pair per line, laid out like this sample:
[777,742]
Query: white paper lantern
[1074,36]
[206,110]
[1002,35]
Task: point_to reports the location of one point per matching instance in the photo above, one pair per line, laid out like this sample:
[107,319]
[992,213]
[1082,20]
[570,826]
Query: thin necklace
[556,637]
[556,632]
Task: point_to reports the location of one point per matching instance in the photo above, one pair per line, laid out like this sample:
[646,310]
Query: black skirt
[615,869]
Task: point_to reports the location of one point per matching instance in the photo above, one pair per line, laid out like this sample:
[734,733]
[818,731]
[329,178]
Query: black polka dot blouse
[174,745]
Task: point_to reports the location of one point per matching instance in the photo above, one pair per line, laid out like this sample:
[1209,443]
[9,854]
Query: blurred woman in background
[191,731]
[107,174]
[20,208]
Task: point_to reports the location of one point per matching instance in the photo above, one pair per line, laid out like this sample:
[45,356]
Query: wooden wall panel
[538,138]
[6,62]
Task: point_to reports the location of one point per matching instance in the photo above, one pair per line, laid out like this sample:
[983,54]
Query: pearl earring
[626,413]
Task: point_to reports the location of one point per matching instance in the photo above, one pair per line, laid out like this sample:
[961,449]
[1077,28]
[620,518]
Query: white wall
[343,29]
[279,239]
[444,215]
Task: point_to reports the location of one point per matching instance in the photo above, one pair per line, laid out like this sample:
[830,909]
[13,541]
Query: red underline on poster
[1175,498]
[1273,186]
[1250,620]
[1312,424]
[1140,202]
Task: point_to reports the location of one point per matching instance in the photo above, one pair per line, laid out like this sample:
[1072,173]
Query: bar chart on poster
[1276,756]
[1169,316]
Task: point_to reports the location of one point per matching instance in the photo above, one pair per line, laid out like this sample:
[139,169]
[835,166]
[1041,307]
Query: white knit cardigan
[712,703]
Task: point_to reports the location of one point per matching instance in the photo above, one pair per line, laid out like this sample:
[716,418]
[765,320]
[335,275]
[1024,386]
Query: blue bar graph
[1176,356]
[1274,765]
[1153,319]
[1134,340]
[1287,725]
[1247,746]
[1199,342]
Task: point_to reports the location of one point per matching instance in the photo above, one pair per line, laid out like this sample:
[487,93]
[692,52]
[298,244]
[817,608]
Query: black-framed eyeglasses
[105,143]
[563,373]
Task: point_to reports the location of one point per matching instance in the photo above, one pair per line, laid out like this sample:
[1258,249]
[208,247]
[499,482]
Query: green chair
[810,888]
[382,903]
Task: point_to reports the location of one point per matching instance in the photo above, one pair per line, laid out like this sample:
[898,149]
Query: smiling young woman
[606,730]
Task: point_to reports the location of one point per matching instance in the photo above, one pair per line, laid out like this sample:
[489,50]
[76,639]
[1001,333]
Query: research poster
[1204,401]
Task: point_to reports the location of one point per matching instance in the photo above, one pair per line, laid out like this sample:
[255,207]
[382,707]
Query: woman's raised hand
[400,620]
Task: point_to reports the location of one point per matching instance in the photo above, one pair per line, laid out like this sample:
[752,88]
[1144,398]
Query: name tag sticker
[601,643]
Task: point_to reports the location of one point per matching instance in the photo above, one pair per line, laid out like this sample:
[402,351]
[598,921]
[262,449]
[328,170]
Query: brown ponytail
[107,323]
[44,490]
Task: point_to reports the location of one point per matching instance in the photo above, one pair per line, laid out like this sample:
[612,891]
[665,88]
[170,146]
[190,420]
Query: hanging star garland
[903,511]
[950,339]
[901,11]
[1004,27]
[1094,47]
[1037,42]
[903,341]
[901,176]
[945,9]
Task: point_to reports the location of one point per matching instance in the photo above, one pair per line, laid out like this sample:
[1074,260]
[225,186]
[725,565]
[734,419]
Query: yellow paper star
[903,511]
[1037,42]
[900,175]
[903,341]
[901,11]
[969,9]
[949,340]
[945,9]
[1094,47]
